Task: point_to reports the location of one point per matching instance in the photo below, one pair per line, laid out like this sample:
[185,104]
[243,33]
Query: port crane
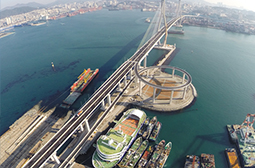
[248,124]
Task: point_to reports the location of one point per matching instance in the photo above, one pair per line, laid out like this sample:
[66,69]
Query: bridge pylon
[163,16]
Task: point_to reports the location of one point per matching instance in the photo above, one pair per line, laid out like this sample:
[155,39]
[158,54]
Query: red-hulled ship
[78,86]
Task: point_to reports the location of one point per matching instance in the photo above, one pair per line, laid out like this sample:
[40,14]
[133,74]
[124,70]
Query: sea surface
[222,66]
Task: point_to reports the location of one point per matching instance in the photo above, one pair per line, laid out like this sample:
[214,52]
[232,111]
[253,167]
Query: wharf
[26,135]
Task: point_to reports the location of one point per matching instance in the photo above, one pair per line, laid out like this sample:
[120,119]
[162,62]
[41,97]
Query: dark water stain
[40,74]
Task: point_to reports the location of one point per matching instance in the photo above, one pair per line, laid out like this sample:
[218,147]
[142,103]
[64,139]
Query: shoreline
[2,35]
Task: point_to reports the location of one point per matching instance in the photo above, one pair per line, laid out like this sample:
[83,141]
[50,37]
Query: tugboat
[150,127]
[143,161]
[164,155]
[144,127]
[207,161]
[130,153]
[138,154]
[155,131]
[156,154]
[192,161]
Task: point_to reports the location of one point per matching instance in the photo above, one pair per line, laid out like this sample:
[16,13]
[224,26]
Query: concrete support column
[55,158]
[171,98]
[118,87]
[102,105]
[109,99]
[183,78]
[145,61]
[140,87]
[136,81]
[130,74]
[184,92]
[81,127]
[154,92]
[87,124]
[173,73]
[125,81]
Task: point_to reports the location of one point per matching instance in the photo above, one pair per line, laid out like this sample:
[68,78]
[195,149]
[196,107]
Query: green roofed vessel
[111,147]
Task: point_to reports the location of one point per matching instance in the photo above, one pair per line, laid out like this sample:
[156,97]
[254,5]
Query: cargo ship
[111,147]
[232,157]
[192,161]
[78,86]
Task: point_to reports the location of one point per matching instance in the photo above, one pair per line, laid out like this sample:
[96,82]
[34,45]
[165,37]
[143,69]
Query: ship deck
[128,126]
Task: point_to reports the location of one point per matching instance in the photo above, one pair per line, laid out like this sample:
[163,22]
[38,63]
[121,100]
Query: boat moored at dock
[164,155]
[145,158]
[150,127]
[130,153]
[156,154]
[155,131]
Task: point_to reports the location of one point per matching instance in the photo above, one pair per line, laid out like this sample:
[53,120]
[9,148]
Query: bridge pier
[154,92]
[109,99]
[102,105]
[81,127]
[125,81]
[118,88]
[55,158]
[87,124]
[171,98]
[130,74]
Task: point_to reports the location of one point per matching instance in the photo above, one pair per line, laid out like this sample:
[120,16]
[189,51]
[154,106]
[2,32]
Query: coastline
[2,35]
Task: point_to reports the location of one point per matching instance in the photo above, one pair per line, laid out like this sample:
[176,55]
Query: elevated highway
[87,110]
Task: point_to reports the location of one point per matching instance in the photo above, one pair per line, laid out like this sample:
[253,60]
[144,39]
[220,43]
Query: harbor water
[222,66]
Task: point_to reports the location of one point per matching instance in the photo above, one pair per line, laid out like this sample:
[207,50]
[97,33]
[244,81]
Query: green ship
[111,147]
[130,153]
[138,154]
